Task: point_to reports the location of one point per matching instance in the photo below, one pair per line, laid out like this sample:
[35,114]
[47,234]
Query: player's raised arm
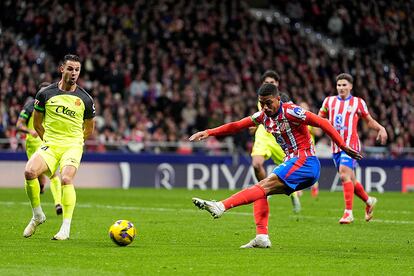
[317,121]
[226,129]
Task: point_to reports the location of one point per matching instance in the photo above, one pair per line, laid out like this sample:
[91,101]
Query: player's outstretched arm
[201,135]
[226,129]
[38,123]
[314,120]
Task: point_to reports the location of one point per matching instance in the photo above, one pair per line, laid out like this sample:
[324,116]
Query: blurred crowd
[161,70]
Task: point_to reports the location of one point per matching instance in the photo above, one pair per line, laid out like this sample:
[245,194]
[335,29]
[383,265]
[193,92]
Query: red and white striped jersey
[289,127]
[344,115]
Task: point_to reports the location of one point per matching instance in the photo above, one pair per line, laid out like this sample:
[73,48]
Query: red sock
[360,192]
[245,196]
[348,194]
[261,215]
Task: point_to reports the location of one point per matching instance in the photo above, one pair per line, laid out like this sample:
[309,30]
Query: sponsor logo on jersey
[65,110]
[297,112]
[339,122]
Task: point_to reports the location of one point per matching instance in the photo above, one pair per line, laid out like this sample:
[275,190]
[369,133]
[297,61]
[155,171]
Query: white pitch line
[154,209]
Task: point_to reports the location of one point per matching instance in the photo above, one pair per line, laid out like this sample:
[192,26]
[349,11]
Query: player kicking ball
[301,169]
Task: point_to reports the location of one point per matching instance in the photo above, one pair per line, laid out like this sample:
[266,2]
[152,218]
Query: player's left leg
[369,200]
[68,201]
[69,164]
[295,202]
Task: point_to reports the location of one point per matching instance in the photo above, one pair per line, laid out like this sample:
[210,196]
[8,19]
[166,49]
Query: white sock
[262,236]
[37,212]
[65,226]
[221,206]
[348,211]
[369,201]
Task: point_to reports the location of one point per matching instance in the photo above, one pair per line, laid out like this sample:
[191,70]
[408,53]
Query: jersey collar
[339,98]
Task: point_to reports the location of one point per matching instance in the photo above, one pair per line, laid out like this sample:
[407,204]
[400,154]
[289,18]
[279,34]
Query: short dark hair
[268,89]
[345,76]
[270,74]
[285,98]
[71,58]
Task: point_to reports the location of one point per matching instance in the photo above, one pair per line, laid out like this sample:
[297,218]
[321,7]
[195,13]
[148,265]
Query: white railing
[217,148]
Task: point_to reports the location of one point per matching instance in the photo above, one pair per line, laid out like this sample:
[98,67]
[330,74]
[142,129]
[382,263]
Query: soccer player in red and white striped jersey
[344,111]
[288,124]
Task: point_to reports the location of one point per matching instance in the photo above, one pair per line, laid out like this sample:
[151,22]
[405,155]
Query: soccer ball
[122,232]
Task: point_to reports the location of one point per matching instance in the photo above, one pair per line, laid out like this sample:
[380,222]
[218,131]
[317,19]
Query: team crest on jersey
[78,102]
[297,112]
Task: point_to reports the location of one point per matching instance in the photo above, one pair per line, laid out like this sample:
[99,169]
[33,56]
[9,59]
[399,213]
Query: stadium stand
[159,70]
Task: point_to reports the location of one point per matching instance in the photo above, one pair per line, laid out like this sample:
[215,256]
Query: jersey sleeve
[89,109]
[40,101]
[27,110]
[324,108]
[363,108]
[296,113]
[257,118]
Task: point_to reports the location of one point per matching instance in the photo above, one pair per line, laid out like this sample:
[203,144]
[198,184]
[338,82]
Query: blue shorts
[341,158]
[299,173]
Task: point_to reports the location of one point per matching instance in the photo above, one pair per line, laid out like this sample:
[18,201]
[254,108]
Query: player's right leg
[56,189]
[270,185]
[346,174]
[34,167]
[42,183]
[315,190]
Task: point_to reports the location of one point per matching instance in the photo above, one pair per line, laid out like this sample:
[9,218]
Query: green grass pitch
[174,238]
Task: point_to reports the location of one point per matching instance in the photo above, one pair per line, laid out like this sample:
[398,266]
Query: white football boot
[215,208]
[34,222]
[260,241]
[369,209]
[347,218]
[64,231]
